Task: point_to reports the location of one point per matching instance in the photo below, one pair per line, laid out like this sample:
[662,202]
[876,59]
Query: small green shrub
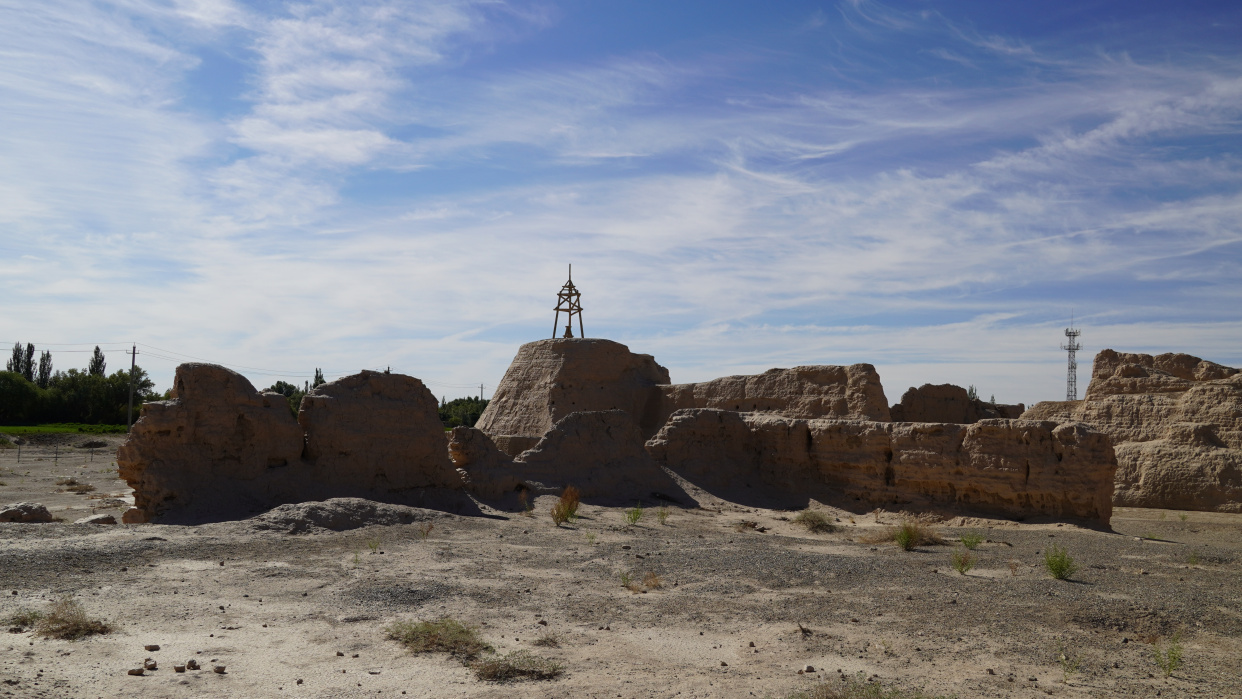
[1193,558]
[1068,660]
[443,635]
[971,540]
[22,618]
[590,538]
[1059,563]
[518,665]
[67,621]
[912,534]
[1169,659]
[635,515]
[814,521]
[548,640]
[373,544]
[662,515]
[1183,516]
[963,561]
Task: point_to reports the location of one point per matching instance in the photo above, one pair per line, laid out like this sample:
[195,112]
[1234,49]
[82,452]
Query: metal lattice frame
[568,300]
[1071,378]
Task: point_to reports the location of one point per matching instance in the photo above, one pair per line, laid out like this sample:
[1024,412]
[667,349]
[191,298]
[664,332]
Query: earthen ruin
[592,414]
[1176,422]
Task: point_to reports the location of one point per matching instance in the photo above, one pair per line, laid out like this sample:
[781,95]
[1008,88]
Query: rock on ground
[337,514]
[96,519]
[1176,421]
[550,379]
[1010,468]
[25,512]
[949,403]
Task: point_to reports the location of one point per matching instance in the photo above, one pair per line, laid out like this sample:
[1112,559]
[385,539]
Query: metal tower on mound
[569,300]
[1071,377]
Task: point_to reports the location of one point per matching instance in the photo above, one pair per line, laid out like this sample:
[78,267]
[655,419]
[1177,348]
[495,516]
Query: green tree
[319,381]
[44,375]
[15,361]
[96,367]
[292,394]
[971,393]
[462,411]
[28,365]
[19,399]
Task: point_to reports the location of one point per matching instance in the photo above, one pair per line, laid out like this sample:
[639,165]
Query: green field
[63,428]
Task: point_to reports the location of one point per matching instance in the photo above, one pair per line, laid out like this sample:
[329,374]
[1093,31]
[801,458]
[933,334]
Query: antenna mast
[569,300]
[1072,346]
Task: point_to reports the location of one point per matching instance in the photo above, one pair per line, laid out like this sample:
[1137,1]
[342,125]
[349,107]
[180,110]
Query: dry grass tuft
[22,618]
[566,509]
[859,688]
[518,665]
[67,621]
[67,481]
[81,488]
[814,521]
[440,636]
[652,581]
[909,535]
[548,640]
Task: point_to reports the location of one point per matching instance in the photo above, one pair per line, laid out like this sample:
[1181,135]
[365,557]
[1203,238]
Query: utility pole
[133,363]
[480,392]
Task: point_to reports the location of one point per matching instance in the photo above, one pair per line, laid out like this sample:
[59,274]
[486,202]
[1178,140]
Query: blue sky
[931,187]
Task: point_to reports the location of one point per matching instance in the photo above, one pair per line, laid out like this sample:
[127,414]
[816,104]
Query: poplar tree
[96,367]
[28,365]
[45,370]
[15,362]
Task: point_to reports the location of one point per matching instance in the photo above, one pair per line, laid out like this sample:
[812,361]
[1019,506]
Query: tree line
[461,411]
[32,392]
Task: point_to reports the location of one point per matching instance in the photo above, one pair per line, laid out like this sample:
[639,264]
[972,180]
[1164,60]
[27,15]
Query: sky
[930,187]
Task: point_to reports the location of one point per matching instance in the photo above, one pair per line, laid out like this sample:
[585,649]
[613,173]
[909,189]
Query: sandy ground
[275,608]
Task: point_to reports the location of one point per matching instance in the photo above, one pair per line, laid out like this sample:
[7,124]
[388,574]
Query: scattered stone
[218,669]
[137,671]
[723,664]
[96,519]
[150,664]
[809,668]
[25,512]
[153,647]
[179,667]
[191,664]
[752,644]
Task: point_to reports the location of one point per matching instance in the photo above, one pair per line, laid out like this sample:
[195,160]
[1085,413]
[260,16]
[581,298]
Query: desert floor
[276,608]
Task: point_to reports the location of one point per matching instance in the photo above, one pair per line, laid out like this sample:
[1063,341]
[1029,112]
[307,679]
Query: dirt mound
[1176,421]
[337,514]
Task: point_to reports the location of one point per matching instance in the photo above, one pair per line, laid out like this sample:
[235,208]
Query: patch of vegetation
[1059,563]
[67,621]
[1193,558]
[963,561]
[1068,660]
[23,618]
[651,581]
[423,530]
[5,443]
[909,535]
[859,688]
[1183,516]
[461,411]
[566,509]
[548,640]
[590,538]
[814,521]
[634,516]
[1170,658]
[528,508]
[662,515]
[518,665]
[443,635]
[373,544]
[745,525]
[971,540]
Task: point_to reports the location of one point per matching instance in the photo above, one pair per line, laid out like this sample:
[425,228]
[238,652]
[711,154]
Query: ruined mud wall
[1176,421]
[601,453]
[949,403]
[1015,468]
[219,446]
[843,392]
[550,379]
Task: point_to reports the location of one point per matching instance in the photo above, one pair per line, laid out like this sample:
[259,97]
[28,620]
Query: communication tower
[1072,346]
[569,300]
